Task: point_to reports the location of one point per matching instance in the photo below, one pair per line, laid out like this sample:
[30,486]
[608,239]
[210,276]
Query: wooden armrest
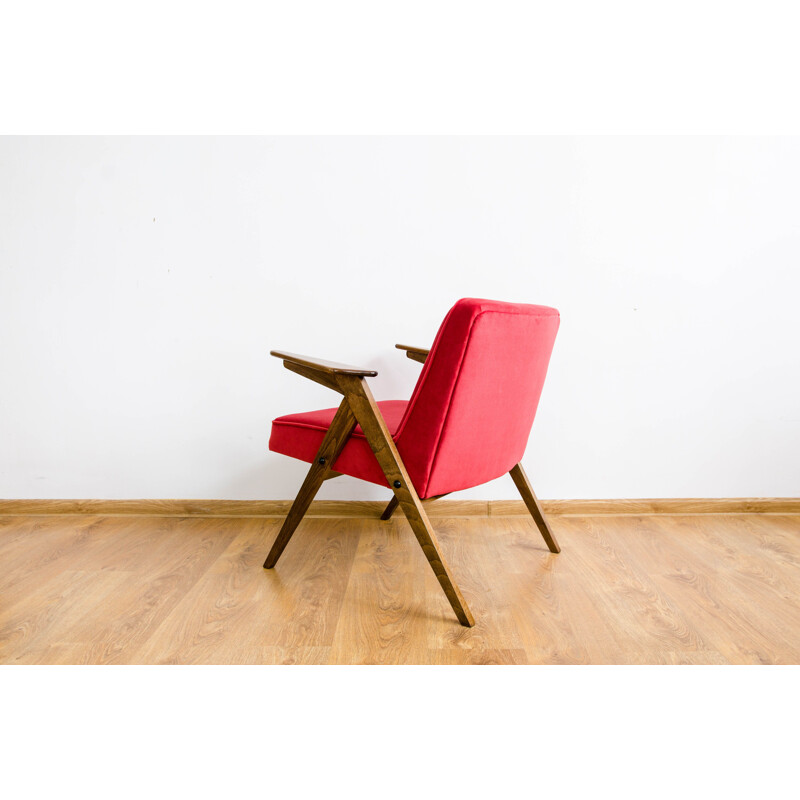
[328,367]
[414,353]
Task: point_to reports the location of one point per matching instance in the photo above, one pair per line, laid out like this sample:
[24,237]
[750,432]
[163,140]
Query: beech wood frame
[358,406]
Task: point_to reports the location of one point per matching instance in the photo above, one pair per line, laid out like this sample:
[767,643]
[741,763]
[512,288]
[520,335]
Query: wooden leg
[380,440]
[532,502]
[389,510]
[335,439]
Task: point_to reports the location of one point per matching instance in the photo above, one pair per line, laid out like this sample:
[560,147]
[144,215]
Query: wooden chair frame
[358,407]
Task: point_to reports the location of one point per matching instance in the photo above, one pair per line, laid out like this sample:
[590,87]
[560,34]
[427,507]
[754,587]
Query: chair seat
[300,436]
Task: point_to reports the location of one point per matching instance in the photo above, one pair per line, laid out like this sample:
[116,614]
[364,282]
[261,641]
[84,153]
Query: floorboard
[650,589]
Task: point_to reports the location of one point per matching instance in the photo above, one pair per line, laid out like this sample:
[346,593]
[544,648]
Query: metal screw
[322,460]
[397,484]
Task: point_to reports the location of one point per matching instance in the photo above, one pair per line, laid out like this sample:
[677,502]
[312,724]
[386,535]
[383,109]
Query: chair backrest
[471,413]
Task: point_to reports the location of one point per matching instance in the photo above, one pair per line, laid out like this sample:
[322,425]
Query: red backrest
[471,413]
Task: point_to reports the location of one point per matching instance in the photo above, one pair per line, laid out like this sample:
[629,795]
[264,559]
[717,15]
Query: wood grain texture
[394,502]
[333,443]
[293,609]
[316,375]
[321,365]
[387,608]
[650,589]
[666,505]
[358,395]
[534,506]
[373,508]
[419,354]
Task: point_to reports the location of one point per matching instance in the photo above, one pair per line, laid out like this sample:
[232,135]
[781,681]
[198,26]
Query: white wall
[143,281]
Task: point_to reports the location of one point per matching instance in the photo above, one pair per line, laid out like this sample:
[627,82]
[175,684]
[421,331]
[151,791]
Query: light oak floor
[704,589]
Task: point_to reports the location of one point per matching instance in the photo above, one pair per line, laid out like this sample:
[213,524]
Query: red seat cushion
[300,435]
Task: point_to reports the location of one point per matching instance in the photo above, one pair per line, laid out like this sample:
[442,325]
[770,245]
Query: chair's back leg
[335,439]
[532,502]
[380,440]
[389,510]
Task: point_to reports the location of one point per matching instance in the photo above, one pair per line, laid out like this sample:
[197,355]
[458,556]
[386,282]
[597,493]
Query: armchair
[467,422]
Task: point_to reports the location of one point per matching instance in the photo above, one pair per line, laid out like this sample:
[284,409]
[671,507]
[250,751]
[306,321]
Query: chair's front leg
[335,439]
[532,502]
[380,440]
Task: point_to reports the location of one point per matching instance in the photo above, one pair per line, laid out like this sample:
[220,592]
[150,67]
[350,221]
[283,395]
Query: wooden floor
[704,589]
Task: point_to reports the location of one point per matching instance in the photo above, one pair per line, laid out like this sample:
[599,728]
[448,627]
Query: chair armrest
[328,367]
[414,353]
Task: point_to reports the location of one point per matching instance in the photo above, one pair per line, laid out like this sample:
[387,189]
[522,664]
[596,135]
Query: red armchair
[467,422]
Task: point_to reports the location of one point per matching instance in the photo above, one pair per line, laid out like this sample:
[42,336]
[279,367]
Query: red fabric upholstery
[471,412]
[300,435]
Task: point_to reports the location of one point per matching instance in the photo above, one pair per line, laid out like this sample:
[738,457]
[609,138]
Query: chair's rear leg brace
[390,509]
[335,439]
[366,411]
[532,502]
